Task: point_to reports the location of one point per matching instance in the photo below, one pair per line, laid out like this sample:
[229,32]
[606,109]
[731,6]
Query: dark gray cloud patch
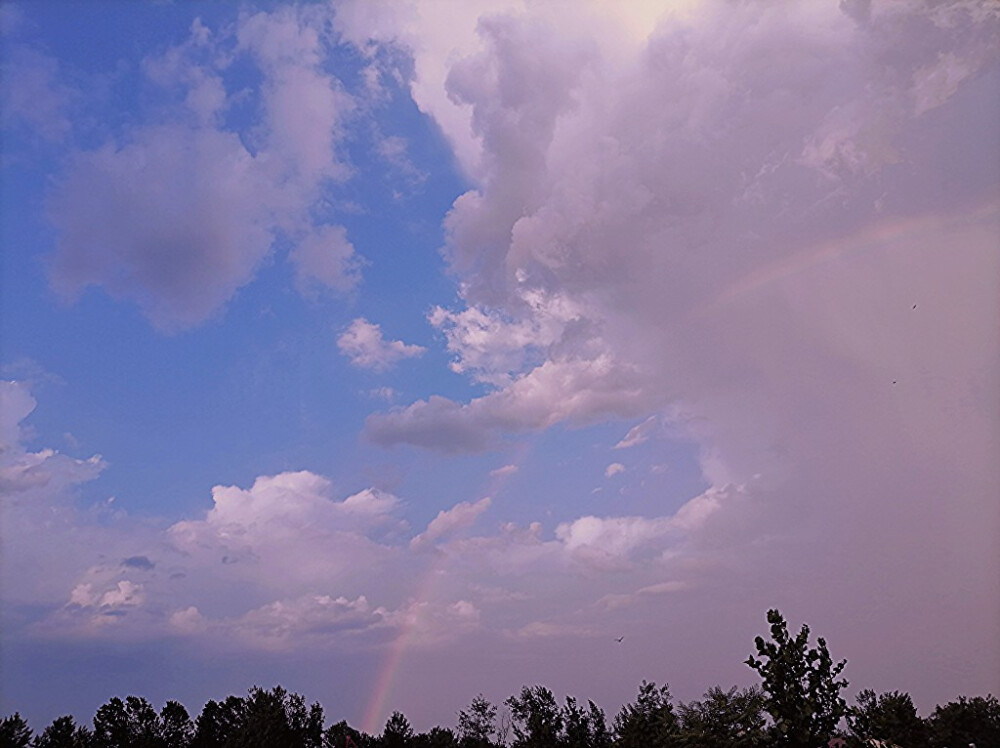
[139,562]
[176,221]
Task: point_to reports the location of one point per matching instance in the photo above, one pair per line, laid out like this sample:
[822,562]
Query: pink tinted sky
[715,331]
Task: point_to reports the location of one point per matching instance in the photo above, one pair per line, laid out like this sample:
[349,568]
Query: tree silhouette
[438,737]
[176,727]
[584,728]
[890,716]
[132,723]
[967,721]
[14,732]
[724,719]
[64,733]
[535,718]
[220,723]
[397,732]
[478,725]
[802,693]
[649,721]
[342,735]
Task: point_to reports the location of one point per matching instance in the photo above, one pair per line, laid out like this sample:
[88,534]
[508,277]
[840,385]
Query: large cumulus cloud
[776,227]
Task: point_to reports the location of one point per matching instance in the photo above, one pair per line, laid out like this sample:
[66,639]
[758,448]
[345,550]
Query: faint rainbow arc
[373,713]
[870,237]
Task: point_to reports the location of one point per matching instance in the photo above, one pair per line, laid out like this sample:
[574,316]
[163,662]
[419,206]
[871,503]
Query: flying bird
[619,639]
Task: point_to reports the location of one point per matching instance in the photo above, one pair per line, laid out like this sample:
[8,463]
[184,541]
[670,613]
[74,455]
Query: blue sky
[421,343]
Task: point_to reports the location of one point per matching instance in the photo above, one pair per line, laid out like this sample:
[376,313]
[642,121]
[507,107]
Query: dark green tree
[802,692]
[220,724]
[959,723]
[477,726]
[584,728]
[438,737]
[278,719]
[132,723]
[397,732]
[176,727]
[342,735]
[724,719]
[889,716]
[536,719]
[64,733]
[649,721]
[14,732]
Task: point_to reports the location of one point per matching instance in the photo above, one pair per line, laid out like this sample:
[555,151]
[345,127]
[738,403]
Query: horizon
[358,346]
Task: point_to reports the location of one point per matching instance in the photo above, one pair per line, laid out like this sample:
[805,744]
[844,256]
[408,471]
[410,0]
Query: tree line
[798,704]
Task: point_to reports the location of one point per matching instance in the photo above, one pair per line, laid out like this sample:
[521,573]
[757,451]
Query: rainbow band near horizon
[375,713]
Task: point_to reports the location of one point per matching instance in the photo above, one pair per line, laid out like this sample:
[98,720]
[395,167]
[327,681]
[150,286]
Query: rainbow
[376,712]
[869,238]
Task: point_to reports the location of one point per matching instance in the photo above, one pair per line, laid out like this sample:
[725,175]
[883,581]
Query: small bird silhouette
[914,306]
[619,639]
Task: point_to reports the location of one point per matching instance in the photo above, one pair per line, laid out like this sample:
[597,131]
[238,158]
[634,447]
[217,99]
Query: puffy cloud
[326,257]
[176,217]
[616,536]
[122,594]
[287,533]
[363,343]
[305,106]
[288,624]
[571,388]
[493,346]
[740,205]
[288,565]
[23,473]
[176,221]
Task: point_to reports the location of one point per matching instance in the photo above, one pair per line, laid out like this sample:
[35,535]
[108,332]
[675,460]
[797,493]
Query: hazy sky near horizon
[396,352]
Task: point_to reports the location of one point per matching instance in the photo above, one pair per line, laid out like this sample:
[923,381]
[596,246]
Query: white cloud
[23,473]
[739,204]
[638,434]
[288,533]
[449,521]
[363,343]
[305,105]
[613,469]
[575,389]
[504,471]
[288,624]
[326,257]
[494,347]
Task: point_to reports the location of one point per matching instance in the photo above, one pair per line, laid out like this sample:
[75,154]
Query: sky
[397,352]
